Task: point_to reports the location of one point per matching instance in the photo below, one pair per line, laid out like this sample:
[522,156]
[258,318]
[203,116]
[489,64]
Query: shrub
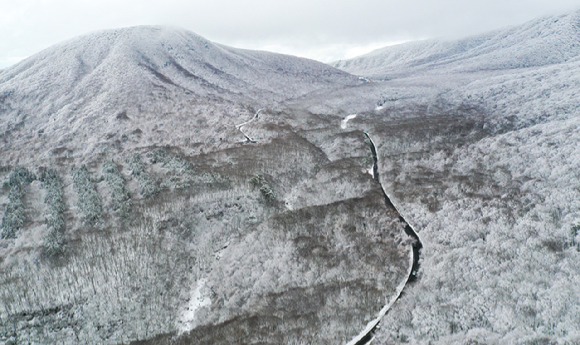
[265,189]
[121,198]
[158,155]
[89,202]
[175,164]
[257,180]
[170,161]
[148,186]
[54,240]
[268,193]
[53,243]
[14,216]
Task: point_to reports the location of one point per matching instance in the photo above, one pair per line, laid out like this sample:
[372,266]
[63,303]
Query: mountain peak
[85,82]
[172,57]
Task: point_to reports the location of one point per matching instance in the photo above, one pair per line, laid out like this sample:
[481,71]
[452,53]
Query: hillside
[146,196]
[542,42]
[153,80]
[478,148]
[170,190]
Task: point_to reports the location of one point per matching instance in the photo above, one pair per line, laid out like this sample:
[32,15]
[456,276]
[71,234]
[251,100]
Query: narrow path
[241,125]
[367,335]
[344,122]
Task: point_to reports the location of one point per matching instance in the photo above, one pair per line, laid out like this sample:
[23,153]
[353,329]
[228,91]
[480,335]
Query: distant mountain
[140,77]
[148,57]
[541,42]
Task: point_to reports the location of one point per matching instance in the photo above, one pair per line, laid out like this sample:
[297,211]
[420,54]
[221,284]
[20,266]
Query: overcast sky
[324,30]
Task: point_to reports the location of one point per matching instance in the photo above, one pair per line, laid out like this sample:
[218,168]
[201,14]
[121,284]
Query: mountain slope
[174,211]
[477,144]
[149,57]
[542,42]
[155,189]
[115,81]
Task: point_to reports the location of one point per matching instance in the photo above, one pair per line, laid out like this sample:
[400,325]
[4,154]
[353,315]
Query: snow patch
[346,119]
[196,301]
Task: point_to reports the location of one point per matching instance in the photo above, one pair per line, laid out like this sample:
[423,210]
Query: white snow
[501,244]
[540,42]
[249,121]
[155,76]
[197,300]
[346,119]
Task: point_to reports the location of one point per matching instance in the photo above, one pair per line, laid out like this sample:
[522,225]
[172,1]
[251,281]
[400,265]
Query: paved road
[367,335]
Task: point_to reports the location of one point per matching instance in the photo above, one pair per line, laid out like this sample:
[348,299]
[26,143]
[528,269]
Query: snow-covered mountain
[112,63]
[155,187]
[163,189]
[545,41]
[101,84]
[478,140]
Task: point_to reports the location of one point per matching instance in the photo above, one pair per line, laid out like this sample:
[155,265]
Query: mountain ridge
[540,42]
[160,47]
[138,74]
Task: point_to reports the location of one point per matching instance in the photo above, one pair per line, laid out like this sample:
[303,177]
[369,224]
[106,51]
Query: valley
[159,188]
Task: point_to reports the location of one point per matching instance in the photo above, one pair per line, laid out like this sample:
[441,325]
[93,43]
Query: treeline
[88,200]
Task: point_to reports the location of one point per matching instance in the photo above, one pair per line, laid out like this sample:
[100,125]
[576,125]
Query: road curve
[241,125]
[367,335]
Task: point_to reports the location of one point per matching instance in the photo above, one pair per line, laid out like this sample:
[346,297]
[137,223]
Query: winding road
[367,335]
[241,125]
